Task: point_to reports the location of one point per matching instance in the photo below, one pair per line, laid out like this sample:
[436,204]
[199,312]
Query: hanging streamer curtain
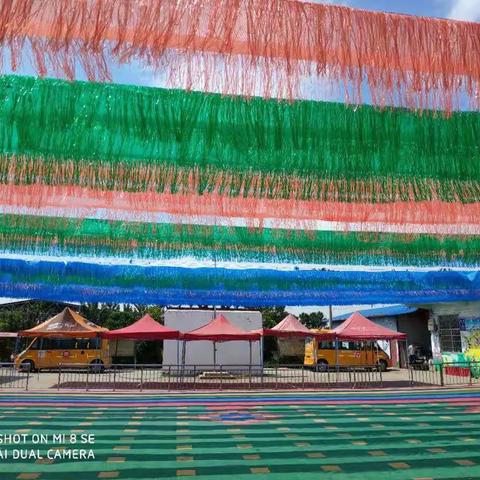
[112,137]
[219,44]
[93,170]
[108,192]
[67,281]
[431,217]
[91,238]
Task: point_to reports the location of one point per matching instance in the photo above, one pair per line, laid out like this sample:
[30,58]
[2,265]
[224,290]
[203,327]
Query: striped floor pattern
[366,435]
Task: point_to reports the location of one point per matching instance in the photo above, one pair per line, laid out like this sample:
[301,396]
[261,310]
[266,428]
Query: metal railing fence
[223,377]
[12,378]
[445,373]
[233,377]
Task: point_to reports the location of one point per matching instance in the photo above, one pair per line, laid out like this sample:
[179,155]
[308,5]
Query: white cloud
[465,10]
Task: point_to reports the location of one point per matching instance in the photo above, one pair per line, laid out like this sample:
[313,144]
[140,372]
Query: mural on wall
[470,333]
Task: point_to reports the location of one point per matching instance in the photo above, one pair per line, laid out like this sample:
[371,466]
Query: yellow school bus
[50,353]
[324,353]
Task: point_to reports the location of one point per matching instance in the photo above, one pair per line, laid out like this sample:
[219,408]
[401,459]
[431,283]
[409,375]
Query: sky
[454,9]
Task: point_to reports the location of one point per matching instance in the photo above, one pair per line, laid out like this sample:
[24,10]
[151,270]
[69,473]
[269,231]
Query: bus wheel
[322,365]
[97,366]
[27,366]
[382,365]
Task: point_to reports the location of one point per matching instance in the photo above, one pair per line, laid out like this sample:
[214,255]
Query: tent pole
[250,343]
[214,355]
[261,348]
[184,347]
[336,357]
[406,353]
[183,352]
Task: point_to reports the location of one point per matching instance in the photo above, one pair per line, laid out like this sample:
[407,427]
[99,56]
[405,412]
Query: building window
[449,333]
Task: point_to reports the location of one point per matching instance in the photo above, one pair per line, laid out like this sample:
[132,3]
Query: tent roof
[358,327]
[67,323]
[146,328]
[290,326]
[220,330]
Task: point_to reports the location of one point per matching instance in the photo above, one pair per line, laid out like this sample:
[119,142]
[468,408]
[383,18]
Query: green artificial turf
[404,441]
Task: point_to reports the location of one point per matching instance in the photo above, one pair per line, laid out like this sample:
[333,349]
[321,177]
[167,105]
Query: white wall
[201,353]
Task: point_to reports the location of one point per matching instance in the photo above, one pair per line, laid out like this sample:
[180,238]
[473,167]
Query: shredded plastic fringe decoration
[98,238]
[410,60]
[76,281]
[433,217]
[143,139]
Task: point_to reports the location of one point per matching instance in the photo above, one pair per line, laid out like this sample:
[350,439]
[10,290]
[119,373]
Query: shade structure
[65,324]
[220,330]
[146,328]
[358,327]
[290,326]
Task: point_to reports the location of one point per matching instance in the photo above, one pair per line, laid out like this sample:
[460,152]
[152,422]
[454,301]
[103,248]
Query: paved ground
[363,435]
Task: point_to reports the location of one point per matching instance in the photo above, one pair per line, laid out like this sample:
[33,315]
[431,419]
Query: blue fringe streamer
[84,282]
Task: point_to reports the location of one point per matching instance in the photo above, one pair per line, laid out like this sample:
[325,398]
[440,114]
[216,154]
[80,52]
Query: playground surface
[416,434]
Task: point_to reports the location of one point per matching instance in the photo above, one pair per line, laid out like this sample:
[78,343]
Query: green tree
[272,315]
[313,320]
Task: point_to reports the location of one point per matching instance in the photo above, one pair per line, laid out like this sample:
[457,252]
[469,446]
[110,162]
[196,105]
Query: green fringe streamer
[49,235]
[130,138]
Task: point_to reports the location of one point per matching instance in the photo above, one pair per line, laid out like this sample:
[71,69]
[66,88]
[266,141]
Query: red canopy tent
[358,327]
[219,330]
[144,329]
[290,326]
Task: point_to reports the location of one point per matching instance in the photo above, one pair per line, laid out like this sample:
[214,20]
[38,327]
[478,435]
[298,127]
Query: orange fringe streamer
[412,61]
[147,205]
[118,178]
